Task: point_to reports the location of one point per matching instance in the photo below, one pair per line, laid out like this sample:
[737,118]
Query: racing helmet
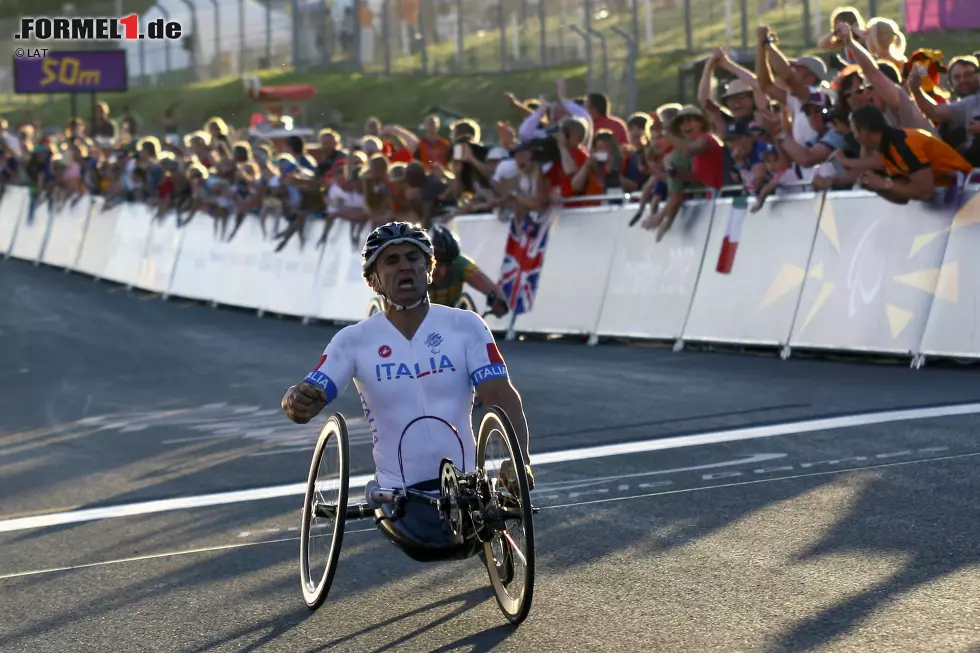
[445,243]
[393,233]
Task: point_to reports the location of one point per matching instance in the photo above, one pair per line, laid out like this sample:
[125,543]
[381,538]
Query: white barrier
[128,247]
[651,285]
[953,328]
[484,238]
[99,238]
[160,255]
[340,292]
[29,238]
[754,302]
[66,234]
[872,275]
[12,207]
[572,281]
[841,271]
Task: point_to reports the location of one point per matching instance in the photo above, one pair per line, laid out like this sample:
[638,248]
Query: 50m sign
[72,72]
[68,71]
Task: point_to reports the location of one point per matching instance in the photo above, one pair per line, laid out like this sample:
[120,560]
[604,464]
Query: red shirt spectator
[709,167]
[613,124]
[598,107]
[558,179]
[401,155]
[434,151]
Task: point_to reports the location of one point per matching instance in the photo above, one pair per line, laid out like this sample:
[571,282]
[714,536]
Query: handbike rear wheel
[513,560]
[324,511]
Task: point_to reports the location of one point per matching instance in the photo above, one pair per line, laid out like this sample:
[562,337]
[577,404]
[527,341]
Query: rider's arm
[335,370]
[479,280]
[501,392]
[488,372]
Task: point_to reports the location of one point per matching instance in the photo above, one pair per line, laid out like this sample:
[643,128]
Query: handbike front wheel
[324,511]
[510,552]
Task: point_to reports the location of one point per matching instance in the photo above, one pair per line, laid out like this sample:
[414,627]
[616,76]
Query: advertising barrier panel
[483,238]
[66,234]
[953,328]
[129,244]
[99,238]
[286,287]
[753,270]
[194,276]
[872,276]
[340,292]
[13,209]
[29,240]
[160,258]
[651,284]
[576,265]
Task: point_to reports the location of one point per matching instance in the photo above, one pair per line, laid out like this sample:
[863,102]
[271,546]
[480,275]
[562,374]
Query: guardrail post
[631,56]
[588,44]
[605,58]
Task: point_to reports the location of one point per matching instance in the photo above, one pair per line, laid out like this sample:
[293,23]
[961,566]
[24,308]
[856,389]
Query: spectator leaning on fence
[696,162]
[914,160]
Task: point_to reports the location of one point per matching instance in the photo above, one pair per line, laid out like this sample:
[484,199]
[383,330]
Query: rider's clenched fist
[303,401]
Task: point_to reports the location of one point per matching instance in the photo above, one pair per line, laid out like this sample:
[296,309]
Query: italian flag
[733,233]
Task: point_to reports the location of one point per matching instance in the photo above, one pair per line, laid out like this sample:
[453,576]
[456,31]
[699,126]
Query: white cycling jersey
[409,386]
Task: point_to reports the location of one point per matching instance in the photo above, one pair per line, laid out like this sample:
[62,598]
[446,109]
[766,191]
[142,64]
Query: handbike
[485,512]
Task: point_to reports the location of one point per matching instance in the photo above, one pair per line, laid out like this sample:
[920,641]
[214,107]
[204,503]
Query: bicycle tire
[314,593]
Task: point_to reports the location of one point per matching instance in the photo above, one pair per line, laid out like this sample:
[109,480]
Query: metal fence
[234,37]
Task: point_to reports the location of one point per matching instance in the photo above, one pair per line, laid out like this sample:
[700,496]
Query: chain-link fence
[234,37]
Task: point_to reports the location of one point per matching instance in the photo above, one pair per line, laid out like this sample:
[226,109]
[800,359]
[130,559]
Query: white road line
[238,545]
[761,480]
[552,457]
[167,554]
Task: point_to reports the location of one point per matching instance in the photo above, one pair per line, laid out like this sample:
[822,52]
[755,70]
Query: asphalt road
[854,534]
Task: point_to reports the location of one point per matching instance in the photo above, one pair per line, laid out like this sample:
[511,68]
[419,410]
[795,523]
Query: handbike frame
[475,500]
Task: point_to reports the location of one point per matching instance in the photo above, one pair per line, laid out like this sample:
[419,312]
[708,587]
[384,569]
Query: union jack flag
[523,259]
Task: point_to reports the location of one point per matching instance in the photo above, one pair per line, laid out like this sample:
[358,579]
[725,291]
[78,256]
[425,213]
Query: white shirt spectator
[531,128]
[964,112]
[803,132]
[506,169]
[338,198]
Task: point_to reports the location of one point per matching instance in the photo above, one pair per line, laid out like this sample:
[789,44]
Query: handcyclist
[415,359]
[453,269]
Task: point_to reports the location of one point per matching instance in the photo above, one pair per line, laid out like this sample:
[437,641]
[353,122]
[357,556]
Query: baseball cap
[812,64]
[497,153]
[737,87]
[738,129]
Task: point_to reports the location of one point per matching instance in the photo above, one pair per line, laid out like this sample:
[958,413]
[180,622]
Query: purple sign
[933,15]
[72,72]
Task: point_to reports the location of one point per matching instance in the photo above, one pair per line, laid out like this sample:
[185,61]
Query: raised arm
[786,73]
[889,91]
[937,113]
[766,83]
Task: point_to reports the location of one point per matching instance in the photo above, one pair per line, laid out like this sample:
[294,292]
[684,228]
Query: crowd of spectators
[865,113]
